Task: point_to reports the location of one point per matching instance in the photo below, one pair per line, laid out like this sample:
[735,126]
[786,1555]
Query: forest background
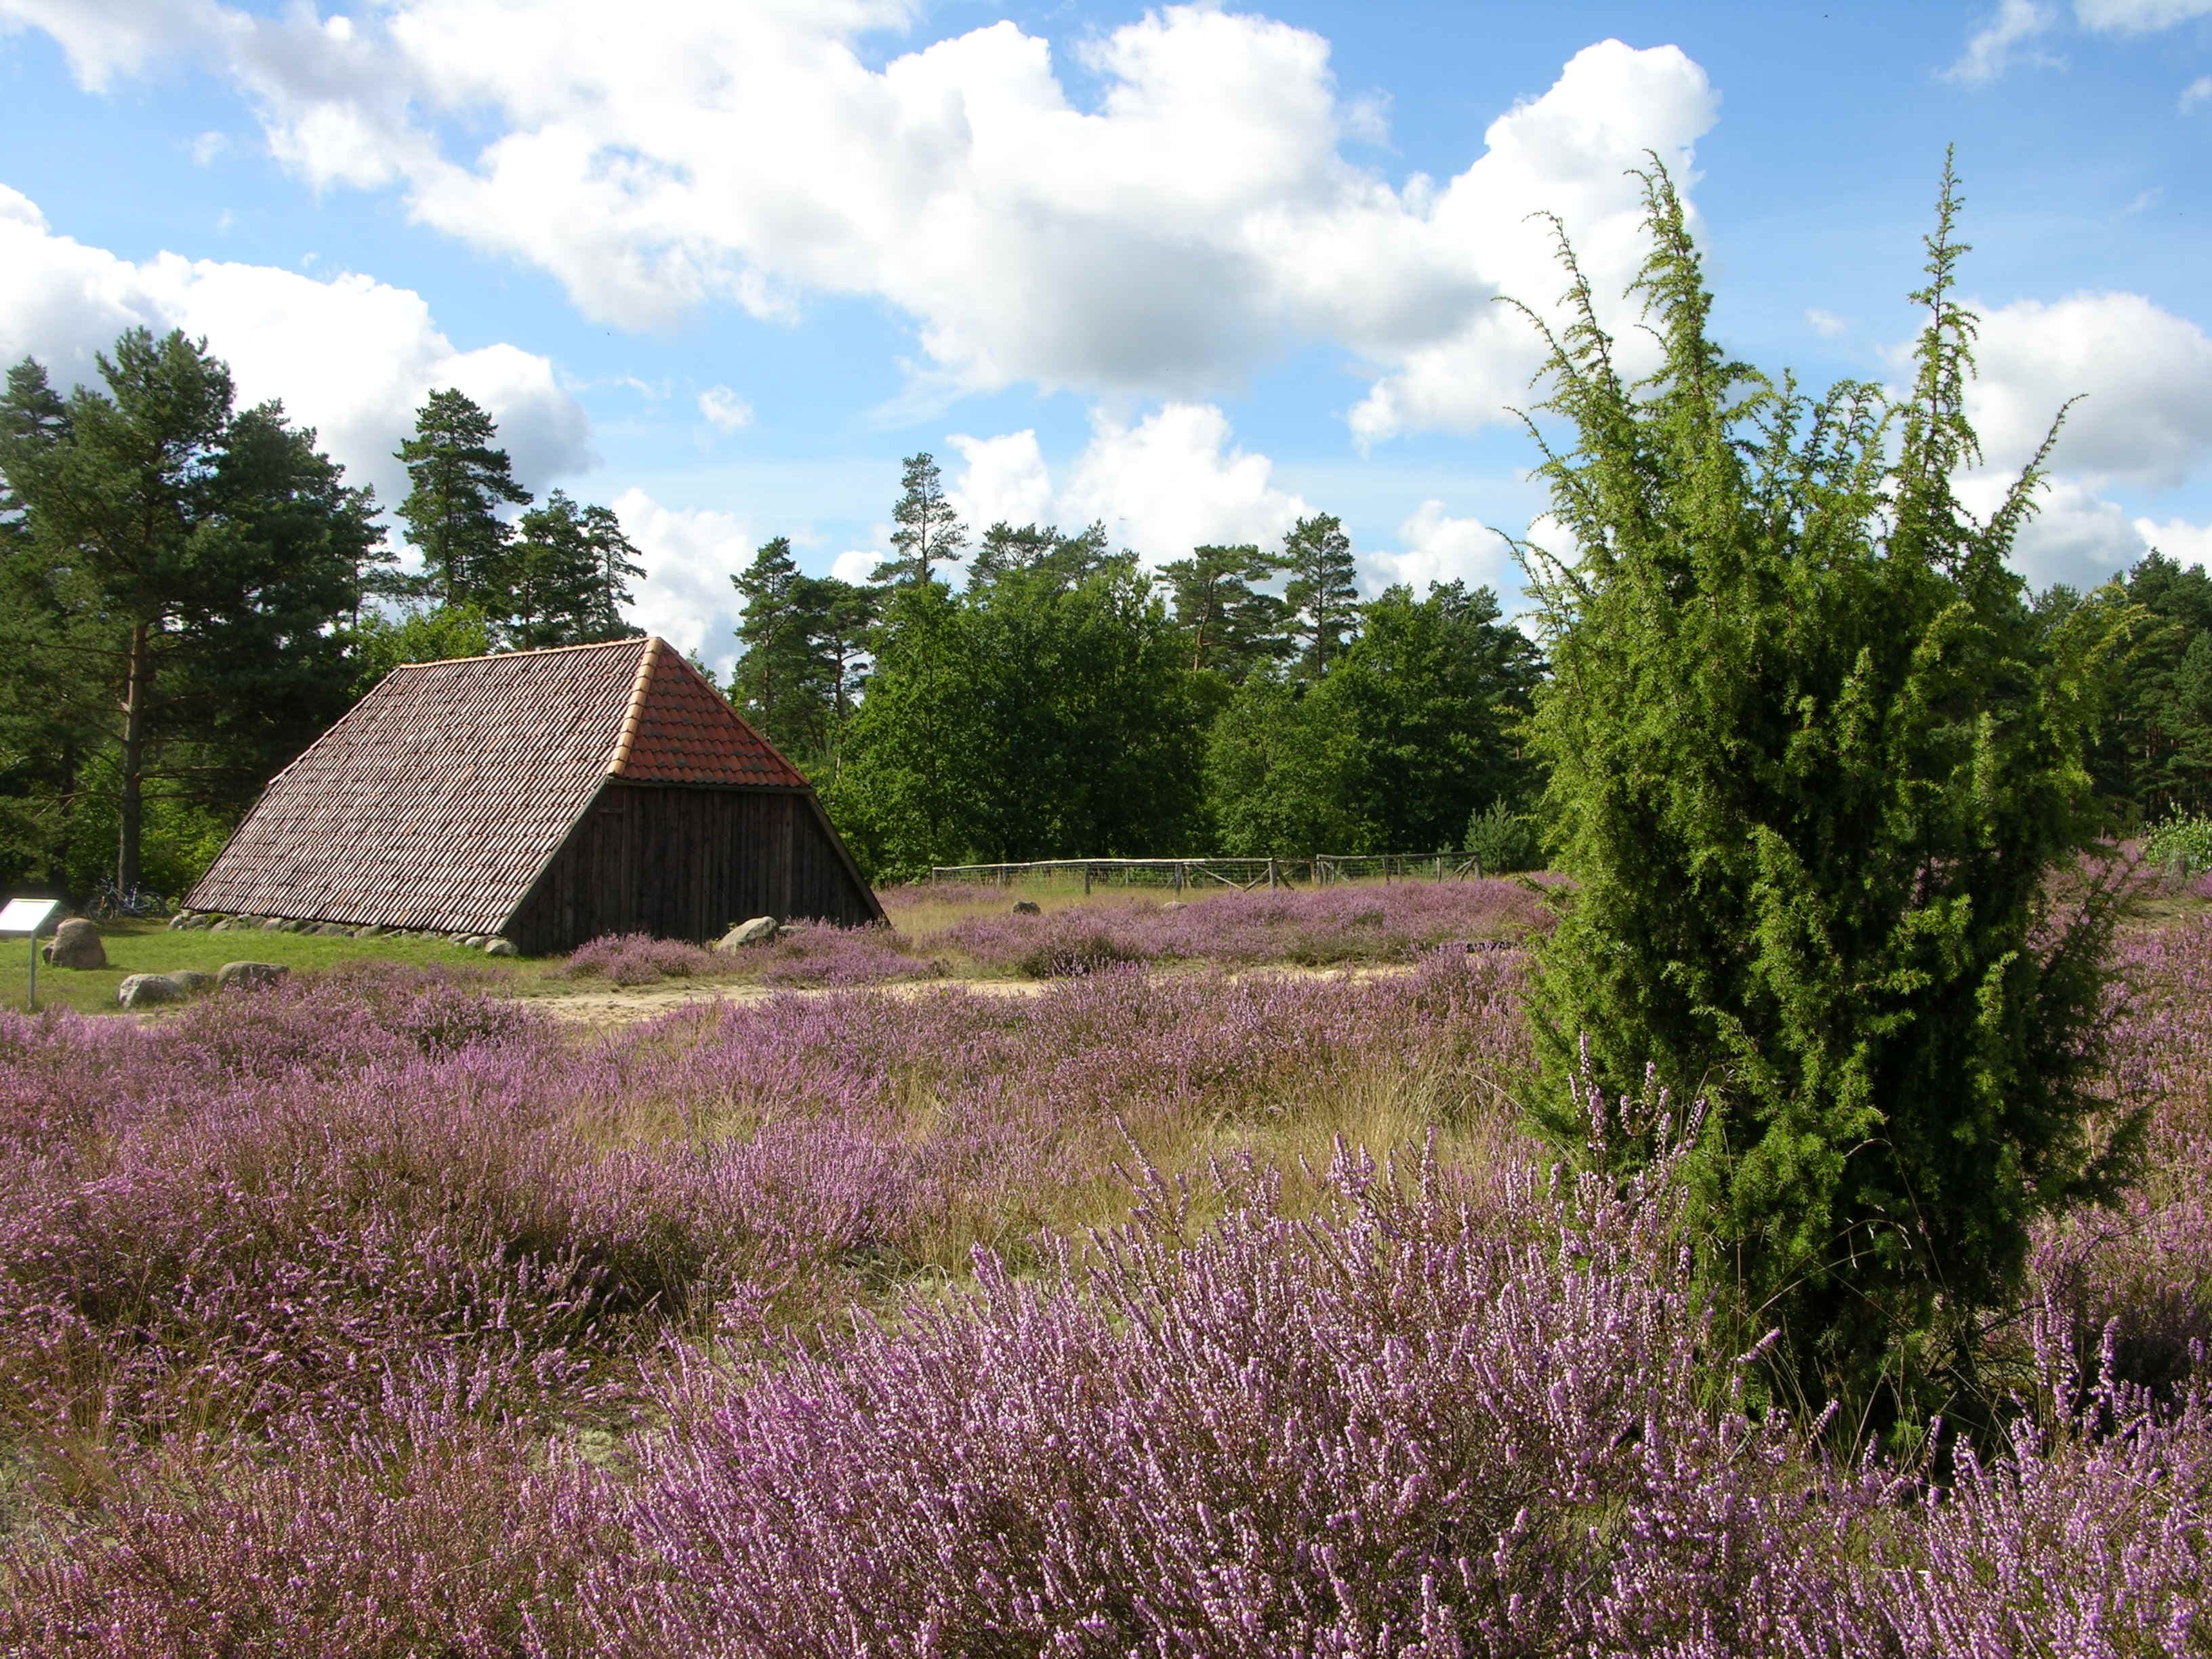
[190,592]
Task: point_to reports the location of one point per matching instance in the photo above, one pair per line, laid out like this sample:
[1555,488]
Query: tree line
[1064,700]
[190,592]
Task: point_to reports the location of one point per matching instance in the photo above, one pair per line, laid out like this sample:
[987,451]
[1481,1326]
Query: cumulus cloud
[2198,91]
[688,555]
[725,409]
[2143,375]
[2190,543]
[1995,47]
[1439,548]
[349,355]
[1177,479]
[1002,479]
[1826,324]
[1194,217]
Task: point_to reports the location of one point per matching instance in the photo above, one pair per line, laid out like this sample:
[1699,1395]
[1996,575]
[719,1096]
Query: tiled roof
[681,730]
[437,802]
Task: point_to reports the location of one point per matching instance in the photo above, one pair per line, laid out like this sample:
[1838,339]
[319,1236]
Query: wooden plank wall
[683,863]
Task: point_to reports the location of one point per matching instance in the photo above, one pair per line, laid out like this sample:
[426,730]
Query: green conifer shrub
[1820,779]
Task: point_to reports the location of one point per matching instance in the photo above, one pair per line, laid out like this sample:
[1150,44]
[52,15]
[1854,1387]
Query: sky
[1196,271]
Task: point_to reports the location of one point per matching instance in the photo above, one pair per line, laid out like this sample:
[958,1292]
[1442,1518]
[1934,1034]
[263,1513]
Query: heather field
[1186,1306]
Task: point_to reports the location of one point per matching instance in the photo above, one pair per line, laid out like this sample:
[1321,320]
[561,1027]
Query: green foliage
[1818,771]
[1416,724]
[379,644]
[1039,549]
[803,638]
[2155,751]
[460,480]
[175,572]
[1022,720]
[1502,841]
[1232,628]
[928,531]
[1321,598]
[2181,843]
[567,576]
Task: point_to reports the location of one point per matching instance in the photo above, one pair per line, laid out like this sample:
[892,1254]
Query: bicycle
[109,902]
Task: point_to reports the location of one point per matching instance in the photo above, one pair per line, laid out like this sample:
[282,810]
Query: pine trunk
[137,679]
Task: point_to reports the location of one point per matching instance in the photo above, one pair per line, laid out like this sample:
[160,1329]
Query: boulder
[147,990]
[182,919]
[499,947]
[761,930]
[334,930]
[1172,906]
[249,974]
[1028,907]
[77,944]
[274,925]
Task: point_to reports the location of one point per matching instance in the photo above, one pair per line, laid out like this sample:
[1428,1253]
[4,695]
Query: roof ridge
[633,716]
[632,640]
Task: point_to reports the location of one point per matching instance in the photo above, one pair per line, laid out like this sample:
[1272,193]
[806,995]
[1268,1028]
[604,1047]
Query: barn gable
[442,799]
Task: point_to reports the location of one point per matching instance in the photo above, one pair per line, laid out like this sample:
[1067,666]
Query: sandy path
[610,1008]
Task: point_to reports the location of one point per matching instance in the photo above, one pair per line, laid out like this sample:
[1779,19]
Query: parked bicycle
[109,902]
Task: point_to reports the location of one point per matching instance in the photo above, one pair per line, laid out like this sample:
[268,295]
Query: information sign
[28,916]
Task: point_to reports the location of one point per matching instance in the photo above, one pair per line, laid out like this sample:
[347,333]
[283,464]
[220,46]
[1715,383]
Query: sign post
[26,915]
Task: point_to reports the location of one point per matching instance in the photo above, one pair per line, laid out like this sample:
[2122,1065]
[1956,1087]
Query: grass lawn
[148,947]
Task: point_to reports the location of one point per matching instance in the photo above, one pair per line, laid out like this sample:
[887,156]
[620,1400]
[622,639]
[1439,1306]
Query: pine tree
[460,480]
[202,559]
[1321,594]
[566,576]
[1231,626]
[1818,774]
[928,531]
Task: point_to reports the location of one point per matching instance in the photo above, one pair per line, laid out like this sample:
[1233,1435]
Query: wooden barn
[544,796]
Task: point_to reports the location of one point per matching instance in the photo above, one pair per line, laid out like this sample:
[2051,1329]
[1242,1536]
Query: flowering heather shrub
[641,959]
[845,956]
[1311,926]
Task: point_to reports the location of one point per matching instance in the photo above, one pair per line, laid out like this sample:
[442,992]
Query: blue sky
[1194,269]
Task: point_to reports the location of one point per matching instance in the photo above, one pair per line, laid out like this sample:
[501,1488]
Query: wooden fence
[1179,875]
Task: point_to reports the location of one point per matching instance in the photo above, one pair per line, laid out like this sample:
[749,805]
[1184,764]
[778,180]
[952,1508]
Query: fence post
[1271,875]
[1178,875]
[1086,881]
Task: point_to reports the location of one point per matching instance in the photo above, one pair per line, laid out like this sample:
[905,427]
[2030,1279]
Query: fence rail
[1179,875]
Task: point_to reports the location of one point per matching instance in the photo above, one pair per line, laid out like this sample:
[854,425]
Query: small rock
[759,931]
[249,974]
[274,925]
[334,930]
[77,944]
[1028,907]
[182,919]
[223,927]
[1172,906]
[499,947]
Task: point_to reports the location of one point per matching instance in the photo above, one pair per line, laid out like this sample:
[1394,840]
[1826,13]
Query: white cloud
[1200,216]
[2077,536]
[2190,543]
[1994,49]
[1004,480]
[208,146]
[690,556]
[351,356]
[725,409]
[1175,481]
[1439,548]
[2138,16]
[2144,376]
[856,564]
[2198,92]
[1826,324]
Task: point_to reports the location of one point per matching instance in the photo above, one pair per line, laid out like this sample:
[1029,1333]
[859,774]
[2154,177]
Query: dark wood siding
[686,863]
